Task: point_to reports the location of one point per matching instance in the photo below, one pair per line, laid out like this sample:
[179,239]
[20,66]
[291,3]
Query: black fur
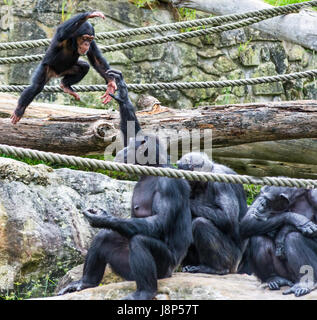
[282,230]
[216,210]
[153,242]
[62,60]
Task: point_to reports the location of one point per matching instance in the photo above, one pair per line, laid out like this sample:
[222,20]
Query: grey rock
[42,228]
[185,286]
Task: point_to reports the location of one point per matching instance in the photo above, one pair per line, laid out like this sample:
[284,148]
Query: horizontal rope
[153,41]
[154,171]
[176,85]
[171,26]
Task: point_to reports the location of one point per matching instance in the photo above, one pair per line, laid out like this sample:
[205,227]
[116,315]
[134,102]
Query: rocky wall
[241,53]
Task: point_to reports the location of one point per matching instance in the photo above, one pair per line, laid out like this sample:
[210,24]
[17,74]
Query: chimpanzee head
[83,38]
[273,200]
[144,150]
[195,161]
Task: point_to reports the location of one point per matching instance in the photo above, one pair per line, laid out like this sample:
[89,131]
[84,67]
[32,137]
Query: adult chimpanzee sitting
[281,224]
[216,211]
[154,241]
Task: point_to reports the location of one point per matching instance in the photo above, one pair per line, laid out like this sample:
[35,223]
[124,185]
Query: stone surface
[42,228]
[185,286]
[270,89]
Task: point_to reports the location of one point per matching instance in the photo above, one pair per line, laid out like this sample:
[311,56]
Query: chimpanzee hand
[122,87]
[111,88]
[98,219]
[96,14]
[308,229]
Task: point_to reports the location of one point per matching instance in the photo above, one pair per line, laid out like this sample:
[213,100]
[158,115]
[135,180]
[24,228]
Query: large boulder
[42,229]
[185,286]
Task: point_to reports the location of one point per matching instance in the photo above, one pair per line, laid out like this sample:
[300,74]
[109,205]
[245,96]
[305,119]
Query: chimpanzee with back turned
[216,210]
[73,38]
[153,242]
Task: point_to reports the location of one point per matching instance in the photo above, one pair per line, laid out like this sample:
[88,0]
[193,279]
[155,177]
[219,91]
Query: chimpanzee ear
[284,196]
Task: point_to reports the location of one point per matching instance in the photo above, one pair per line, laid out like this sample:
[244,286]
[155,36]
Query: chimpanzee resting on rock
[153,242]
[283,237]
[72,39]
[216,210]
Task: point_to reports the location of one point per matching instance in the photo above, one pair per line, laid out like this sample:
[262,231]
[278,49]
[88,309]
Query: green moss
[252,192]
[112,174]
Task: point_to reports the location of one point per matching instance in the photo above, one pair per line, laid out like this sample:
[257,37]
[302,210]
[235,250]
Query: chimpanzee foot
[68,90]
[275,283]
[140,295]
[204,269]
[299,289]
[74,286]
[15,119]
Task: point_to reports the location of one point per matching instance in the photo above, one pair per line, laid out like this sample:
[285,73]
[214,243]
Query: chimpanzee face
[83,44]
[143,150]
[271,200]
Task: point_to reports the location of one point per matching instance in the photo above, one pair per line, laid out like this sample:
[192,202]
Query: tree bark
[298,28]
[262,168]
[303,151]
[229,125]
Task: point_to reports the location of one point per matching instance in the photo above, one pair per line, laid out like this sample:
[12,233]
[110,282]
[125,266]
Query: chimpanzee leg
[150,259]
[266,265]
[301,256]
[40,78]
[217,253]
[107,247]
[74,75]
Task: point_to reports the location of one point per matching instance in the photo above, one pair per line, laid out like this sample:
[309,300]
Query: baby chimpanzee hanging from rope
[72,39]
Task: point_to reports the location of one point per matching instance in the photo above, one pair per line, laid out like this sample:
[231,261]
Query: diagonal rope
[154,171]
[275,11]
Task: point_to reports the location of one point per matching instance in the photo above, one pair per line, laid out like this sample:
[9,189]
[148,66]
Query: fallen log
[301,151]
[82,134]
[297,28]
[263,168]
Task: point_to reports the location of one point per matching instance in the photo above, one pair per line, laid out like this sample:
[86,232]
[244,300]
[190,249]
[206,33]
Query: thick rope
[154,171]
[176,85]
[171,26]
[151,41]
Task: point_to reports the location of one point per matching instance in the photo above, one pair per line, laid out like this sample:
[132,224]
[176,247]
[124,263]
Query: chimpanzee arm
[222,211]
[149,226]
[98,62]
[127,110]
[164,209]
[69,27]
[250,225]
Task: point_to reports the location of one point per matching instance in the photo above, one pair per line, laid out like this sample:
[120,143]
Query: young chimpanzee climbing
[153,242]
[281,224]
[72,39]
[216,210]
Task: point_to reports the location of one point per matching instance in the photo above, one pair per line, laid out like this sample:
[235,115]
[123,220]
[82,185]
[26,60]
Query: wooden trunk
[87,131]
